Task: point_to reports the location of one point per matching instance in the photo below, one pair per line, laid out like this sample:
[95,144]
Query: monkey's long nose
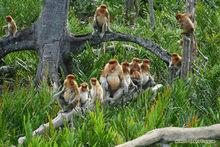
[71,83]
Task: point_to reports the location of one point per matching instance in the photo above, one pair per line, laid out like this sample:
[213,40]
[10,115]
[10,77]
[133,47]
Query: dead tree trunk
[49,37]
[189,44]
[189,47]
[152,15]
[187,56]
[131,11]
[190,8]
[49,34]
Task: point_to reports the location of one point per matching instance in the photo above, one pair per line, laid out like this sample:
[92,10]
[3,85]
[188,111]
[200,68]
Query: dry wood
[175,134]
[187,56]
[152,15]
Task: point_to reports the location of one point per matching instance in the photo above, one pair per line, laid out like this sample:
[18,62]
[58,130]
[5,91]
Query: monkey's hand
[5,27]
[57,95]
[125,86]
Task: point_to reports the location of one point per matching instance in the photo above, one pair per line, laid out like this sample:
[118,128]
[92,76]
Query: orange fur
[145,65]
[185,22]
[175,59]
[71,87]
[12,27]
[125,67]
[136,75]
[102,20]
[97,90]
[135,65]
[84,87]
[102,15]
[114,74]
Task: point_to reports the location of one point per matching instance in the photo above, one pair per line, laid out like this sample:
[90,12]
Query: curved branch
[23,41]
[94,39]
[7,69]
[174,134]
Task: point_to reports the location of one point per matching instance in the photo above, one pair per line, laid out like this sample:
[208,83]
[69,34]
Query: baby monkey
[84,94]
[96,91]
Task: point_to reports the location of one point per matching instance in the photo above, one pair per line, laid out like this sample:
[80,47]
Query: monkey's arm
[188,15]
[5,27]
[121,75]
[104,82]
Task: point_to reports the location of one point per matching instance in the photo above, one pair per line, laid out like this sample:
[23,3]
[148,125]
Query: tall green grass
[191,103]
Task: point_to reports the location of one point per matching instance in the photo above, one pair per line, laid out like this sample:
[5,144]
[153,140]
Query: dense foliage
[191,103]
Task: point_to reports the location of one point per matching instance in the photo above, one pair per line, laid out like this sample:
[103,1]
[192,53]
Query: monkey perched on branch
[96,90]
[11,28]
[126,72]
[101,20]
[135,71]
[185,22]
[145,71]
[112,80]
[84,94]
[175,65]
[70,98]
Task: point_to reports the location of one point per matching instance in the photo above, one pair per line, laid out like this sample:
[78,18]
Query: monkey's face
[103,6]
[176,59]
[113,66]
[146,62]
[136,61]
[179,16]
[71,82]
[71,79]
[125,68]
[125,64]
[8,18]
[93,81]
[84,88]
[145,67]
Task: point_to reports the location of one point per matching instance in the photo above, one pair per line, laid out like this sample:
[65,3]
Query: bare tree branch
[172,134]
[117,36]
[23,41]
[152,15]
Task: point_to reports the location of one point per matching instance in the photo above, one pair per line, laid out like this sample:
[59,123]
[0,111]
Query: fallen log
[177,135]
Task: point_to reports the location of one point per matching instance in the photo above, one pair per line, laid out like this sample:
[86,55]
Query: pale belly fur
[114,81]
